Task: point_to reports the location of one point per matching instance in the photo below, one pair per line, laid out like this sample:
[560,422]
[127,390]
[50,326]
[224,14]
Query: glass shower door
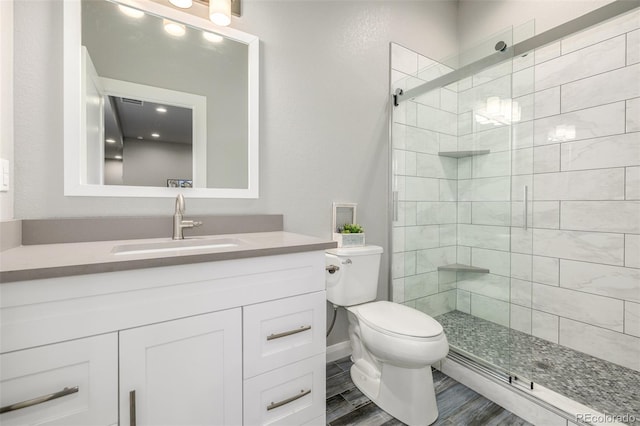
[484,212]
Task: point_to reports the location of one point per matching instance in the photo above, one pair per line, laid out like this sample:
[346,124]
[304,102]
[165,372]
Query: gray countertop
[65,259]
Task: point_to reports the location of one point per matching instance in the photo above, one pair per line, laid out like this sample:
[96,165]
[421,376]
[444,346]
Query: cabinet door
[183,372]
[69,383]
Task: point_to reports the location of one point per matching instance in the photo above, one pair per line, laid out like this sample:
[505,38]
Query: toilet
[393,346]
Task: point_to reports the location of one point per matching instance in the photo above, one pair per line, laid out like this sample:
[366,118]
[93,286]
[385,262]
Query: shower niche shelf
[462,154]
[459,267]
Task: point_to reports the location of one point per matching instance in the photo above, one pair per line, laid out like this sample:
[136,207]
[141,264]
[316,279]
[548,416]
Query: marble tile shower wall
[573,276]
[585,282]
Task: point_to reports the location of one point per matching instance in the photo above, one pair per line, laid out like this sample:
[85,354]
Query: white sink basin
[176,245]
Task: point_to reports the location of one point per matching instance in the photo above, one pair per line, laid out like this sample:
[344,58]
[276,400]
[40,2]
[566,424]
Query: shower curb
[519,401]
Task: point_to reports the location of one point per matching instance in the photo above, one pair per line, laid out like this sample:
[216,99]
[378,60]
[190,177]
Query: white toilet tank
[356,280]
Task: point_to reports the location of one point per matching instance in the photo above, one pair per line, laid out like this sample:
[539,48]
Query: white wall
[112,172]
[151,163]
[323,106]
[6,101]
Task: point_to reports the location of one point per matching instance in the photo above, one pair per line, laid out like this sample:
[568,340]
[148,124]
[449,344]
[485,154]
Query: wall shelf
[462,154]
[459,267]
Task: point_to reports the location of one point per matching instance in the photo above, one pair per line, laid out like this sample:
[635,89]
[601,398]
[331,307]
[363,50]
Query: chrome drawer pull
[288,333]
[38,400]
[288,400]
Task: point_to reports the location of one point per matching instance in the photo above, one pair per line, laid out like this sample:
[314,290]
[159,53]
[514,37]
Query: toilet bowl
[393,346]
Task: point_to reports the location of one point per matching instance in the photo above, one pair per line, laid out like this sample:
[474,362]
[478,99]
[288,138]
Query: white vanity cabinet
[183,372]
[284,360]
[217,343]
[72,383]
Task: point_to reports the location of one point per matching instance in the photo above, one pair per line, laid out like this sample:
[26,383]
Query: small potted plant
[350,235]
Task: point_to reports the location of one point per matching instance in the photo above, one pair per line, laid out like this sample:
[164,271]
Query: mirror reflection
[145,142]
[166,103]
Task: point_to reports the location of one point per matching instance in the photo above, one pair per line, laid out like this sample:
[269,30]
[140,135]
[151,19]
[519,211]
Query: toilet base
[406,394]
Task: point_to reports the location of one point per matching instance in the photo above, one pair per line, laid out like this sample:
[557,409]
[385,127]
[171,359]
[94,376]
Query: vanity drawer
[291,395]
[79,377]
[283,331]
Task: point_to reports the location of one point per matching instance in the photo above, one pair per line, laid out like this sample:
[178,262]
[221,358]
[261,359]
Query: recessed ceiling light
[129,11]
[140,137]
[174,28]
[110,140]
[118,157]
[213,38]
[183,4]
[155,135]
[161,109]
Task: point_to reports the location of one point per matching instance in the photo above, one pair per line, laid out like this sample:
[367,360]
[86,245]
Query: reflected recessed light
[140,137]
[118,157]
[213,38]
[110,140]
[174,28]
[155,135]
[129,11]
[161,109]
[183,4]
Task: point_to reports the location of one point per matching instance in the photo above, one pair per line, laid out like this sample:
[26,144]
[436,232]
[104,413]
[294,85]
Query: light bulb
[220,12]
[182,4]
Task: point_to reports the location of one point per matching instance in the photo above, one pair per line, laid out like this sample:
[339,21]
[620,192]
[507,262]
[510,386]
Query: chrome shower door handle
[526,211]
[395,206]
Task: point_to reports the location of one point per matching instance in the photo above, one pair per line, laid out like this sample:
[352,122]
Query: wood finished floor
[457,404]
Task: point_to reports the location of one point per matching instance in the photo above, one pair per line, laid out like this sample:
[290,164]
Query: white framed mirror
[149,112]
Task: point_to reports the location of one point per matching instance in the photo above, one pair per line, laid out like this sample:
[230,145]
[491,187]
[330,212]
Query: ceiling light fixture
[118,157]
[182,4]
[129,11]
[161,109]
[220,12]
[155,135]
[174,28]
[213,38]
[110,140]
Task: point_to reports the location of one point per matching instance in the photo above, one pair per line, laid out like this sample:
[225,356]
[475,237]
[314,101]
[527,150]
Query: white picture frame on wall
[343,213]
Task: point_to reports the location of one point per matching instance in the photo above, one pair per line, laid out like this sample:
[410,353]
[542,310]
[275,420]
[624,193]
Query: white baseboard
[338,351]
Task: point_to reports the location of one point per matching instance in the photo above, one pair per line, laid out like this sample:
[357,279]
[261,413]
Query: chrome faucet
[178,222]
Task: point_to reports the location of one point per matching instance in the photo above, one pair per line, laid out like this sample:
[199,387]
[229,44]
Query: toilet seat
[397,320]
